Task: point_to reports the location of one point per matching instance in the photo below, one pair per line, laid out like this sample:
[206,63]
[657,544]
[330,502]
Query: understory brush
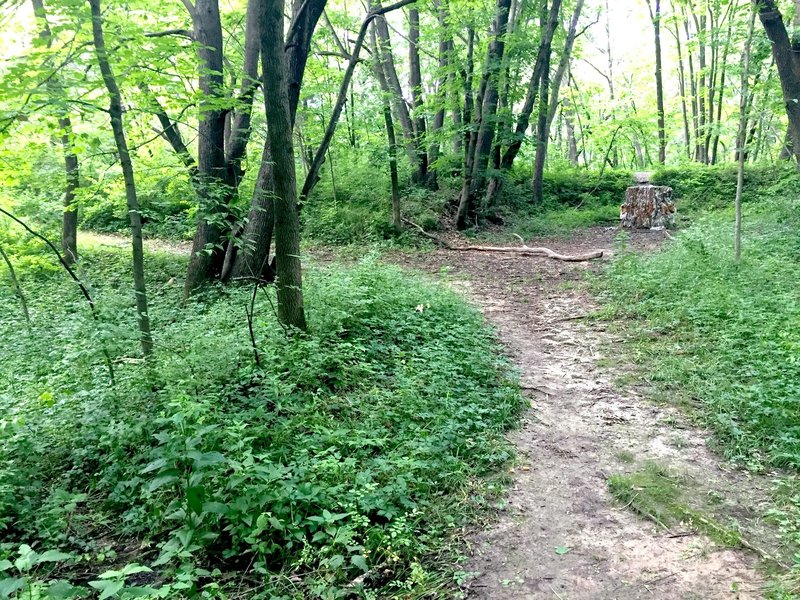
[345,465]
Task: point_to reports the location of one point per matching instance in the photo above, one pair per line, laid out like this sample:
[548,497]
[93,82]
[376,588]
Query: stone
[648,207]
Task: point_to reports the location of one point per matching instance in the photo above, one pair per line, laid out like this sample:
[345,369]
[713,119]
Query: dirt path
[562,534]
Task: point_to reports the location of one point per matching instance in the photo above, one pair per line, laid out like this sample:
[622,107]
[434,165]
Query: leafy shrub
[352,455]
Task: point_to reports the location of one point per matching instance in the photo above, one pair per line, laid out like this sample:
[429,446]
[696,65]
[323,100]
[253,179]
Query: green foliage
[720,335]
[698,187]
[349,461]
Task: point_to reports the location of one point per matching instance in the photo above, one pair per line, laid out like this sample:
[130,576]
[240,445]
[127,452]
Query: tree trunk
[699,155]
[213,186]
[256,237]
[289,281]
[655,17]
[541,135]
[788,66]
[742,138]
[722,78]
[485,136]
[415,83]
[682,87]
[398,101]
[397,223]
[523,120]
[134,211]
[445,50]
[69,226]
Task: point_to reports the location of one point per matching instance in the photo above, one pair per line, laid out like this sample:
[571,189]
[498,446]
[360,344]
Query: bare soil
[562,534]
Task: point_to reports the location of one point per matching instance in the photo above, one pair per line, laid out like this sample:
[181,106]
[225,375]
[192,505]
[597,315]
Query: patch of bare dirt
[580,430]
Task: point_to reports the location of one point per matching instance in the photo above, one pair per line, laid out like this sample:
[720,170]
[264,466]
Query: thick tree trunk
[788,66]
[485,136]
[213,186]
[256,238]
[134,211]
[69,226]
[289,281]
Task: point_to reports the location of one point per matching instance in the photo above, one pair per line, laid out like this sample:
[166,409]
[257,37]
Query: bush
[355,451]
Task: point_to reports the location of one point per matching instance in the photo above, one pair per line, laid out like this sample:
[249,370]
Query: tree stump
[648,207]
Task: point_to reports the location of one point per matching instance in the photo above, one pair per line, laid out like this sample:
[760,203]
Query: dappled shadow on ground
[562,534]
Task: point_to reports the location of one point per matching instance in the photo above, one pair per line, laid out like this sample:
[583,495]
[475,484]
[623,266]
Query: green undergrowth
[723,340]
[346,465]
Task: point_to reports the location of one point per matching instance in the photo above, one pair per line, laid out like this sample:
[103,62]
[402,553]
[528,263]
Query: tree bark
[655,17]
[445,50]
[541,134]
[256,238]
[485,137]
[415,83]
[134,211]
[682,86]
[289,281]
[390,72]
[788,66]
[212,184]
[742,138]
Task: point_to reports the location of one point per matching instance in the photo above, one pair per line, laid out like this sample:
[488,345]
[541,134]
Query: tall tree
[134,210]
[543,124]
[289,280]
[474,180]
[655,17]
[256,235]
[741,139]
[787,64]
[415,84]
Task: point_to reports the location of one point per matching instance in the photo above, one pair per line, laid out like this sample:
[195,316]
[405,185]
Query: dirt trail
[580,430]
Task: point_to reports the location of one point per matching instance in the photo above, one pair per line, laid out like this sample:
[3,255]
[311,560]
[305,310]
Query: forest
[334,299]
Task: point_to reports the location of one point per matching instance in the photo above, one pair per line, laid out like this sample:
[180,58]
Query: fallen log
[521,250]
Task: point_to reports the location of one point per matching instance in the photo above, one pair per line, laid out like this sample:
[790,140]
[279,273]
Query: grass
[657,494]
[719,336]
[721,340]
[347,465]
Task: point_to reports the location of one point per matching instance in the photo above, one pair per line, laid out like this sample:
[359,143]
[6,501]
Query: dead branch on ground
[521,250]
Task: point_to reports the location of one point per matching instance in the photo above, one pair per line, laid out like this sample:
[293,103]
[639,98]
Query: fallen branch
[522,250]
